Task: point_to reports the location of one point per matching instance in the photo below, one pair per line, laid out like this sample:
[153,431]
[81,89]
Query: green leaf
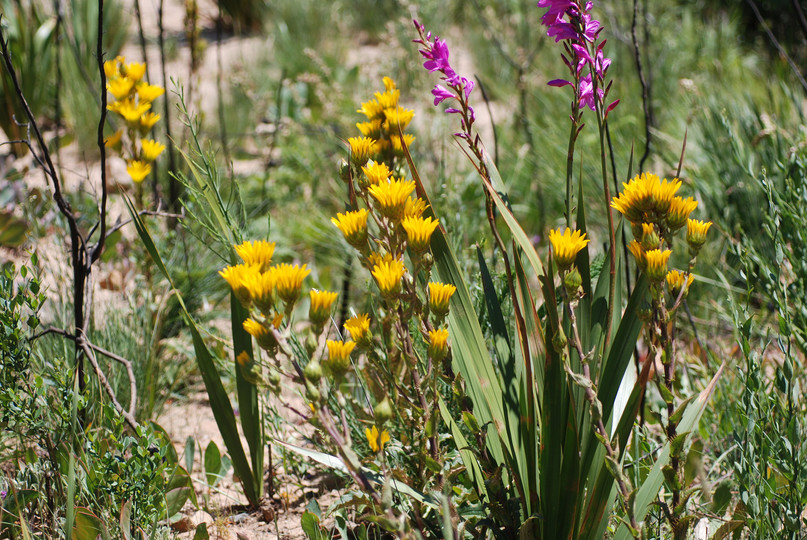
[212,464]
[88,526]
[247,392]
[13,230]
[468,457]
[126,520]
[201,532]
[721,498]
[494,189]
[175,499]
[310,525]
[469,348]
[190,451]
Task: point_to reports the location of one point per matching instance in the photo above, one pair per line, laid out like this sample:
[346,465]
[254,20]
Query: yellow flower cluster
[133,100]
[257,284]
[388,196]
[656,213]
[386,121]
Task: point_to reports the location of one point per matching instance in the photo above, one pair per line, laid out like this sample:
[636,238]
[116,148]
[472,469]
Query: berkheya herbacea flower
[571,21]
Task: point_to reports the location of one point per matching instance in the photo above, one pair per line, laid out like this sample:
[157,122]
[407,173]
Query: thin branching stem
[623,483]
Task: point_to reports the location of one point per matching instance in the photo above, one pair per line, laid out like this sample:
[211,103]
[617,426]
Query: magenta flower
[586,94]
[436,54]
[441,94]
[570,20]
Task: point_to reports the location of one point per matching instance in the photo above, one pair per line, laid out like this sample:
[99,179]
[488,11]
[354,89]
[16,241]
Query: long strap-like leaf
[219,400]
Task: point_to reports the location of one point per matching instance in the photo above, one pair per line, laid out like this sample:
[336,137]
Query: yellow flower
[112,67]
[391,197]
[679,212]
[438,344]
[151,149]
[646,198]
[419,232]
[264,336]
[397,117]
[359,328]
[375,439]
[636,198]
[649,238]
[371,128]
[138,170]
[696,232]
[439,296]
[339,357]
[388,275]
[415,207]
[663,194]
[372,110]
[389,84]
[120,87]
[258,252]
[134,70]
[354,226]
[289,280]
[114,140]
[243,358]
[148,120]
[261,287]
[677,280]
[388,99]
[397,147]
[636,249]
[320,307]
[376,172]
[149,92]
[566,245]
[238,276]
[656,263]
[361,149]
[128,110]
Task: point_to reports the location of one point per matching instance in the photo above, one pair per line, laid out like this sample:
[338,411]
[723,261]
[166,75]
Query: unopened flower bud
[559,341]
[572,281]
[312,394]
[344,171]
[310,344]
[383,411]
[313,371]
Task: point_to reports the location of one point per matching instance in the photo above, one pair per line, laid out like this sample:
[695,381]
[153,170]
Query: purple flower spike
[457,87]
[570,20]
